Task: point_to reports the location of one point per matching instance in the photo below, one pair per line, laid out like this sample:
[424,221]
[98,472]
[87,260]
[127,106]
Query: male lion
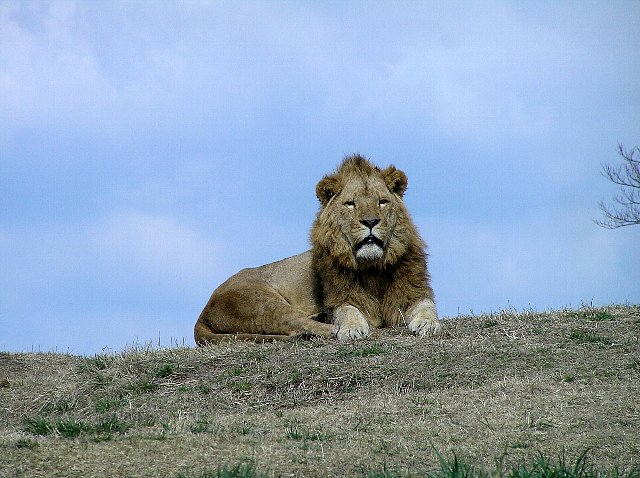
[367,268]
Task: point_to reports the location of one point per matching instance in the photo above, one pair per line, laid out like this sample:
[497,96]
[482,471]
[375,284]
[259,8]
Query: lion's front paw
[423,326]
[423,319]
[349,323]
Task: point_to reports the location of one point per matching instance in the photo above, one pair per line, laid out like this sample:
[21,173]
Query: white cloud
[495,80]
[158,245]
[484,71]
[49,76]
[124,253]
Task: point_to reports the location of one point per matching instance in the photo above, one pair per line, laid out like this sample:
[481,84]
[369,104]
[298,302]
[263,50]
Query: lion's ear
[328,187]
[396,180]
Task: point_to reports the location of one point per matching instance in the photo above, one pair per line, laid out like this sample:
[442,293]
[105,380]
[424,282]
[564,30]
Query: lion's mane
[399,276]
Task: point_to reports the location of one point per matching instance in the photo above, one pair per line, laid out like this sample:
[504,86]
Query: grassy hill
[500,393]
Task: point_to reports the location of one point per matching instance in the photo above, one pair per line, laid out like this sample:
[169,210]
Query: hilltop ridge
[499,386]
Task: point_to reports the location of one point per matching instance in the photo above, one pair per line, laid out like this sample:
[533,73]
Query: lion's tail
[204,335]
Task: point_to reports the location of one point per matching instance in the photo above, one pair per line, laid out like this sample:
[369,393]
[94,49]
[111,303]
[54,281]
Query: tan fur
[367,268]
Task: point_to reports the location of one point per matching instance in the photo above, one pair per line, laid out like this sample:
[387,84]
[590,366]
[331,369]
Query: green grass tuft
[489,323]
[72,428]
[241,386]
[597,315]
[104,404]
[166,370]
[113,425]
[455,468]
[201,426]
[95,365]
[27,443]
[603,315]
[140,387]
[235,372]
[540,467]
[241,470]
[582,336]
[39,426]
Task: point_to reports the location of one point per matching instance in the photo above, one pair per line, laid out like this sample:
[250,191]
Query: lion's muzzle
[370,248]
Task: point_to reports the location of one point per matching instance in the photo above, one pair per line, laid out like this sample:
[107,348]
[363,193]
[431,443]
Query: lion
[366,269]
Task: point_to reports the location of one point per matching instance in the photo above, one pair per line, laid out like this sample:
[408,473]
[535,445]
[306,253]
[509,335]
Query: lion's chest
[381,302]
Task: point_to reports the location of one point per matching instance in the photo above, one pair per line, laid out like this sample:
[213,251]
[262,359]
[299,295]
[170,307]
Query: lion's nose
[370,222]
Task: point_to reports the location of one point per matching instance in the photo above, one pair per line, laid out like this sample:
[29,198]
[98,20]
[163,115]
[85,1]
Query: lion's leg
[258,310]
[350,323]
[422,318]
[277,316]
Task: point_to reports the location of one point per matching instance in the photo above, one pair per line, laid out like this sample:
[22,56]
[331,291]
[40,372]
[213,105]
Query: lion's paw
[349,323]
[423,319]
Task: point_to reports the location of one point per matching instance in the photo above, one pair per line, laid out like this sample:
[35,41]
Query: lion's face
[366,216]
[363,221]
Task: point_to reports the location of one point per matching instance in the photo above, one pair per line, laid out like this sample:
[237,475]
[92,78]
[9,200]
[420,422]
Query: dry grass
[503,387]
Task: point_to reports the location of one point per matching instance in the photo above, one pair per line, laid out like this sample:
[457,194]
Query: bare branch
[615,217]
[627,176]
[630,197]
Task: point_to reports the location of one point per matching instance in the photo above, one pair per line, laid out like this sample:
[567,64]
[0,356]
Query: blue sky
[149,150]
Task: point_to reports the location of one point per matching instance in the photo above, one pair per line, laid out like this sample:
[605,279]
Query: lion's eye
[350,204]
[383,202]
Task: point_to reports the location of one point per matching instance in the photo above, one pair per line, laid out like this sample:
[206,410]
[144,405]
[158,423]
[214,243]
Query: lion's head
[363,222]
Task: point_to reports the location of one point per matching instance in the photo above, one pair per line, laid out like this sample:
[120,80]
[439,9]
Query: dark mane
[356,164]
